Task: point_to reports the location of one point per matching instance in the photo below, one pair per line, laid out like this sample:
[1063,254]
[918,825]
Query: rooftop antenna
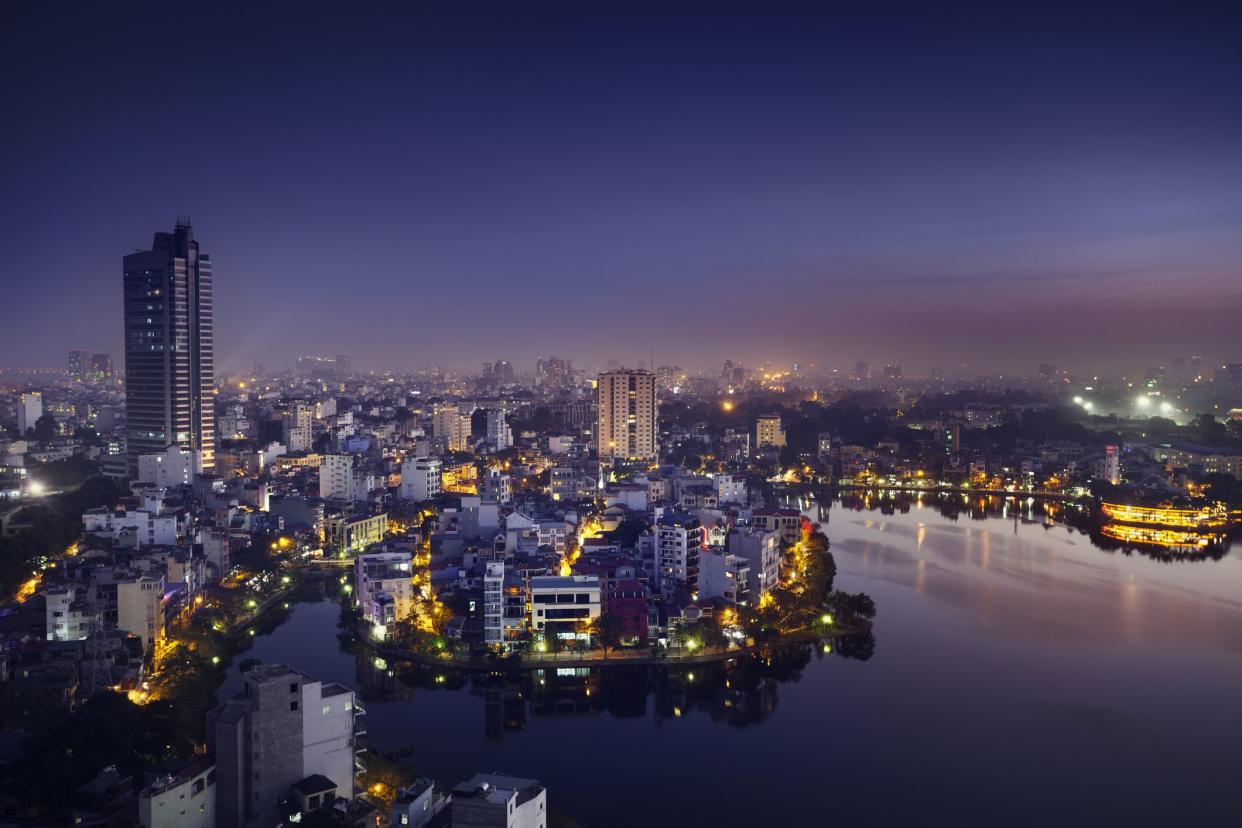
[183,220]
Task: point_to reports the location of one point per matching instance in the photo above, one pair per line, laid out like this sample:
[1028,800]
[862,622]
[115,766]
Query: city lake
[1019,675]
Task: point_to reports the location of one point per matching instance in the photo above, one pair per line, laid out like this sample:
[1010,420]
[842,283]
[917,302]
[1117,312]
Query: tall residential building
[169,350]
[499,434]
[29,410]
[79,362]
[284,727]
[452,426]
[679,539]
[296,426]
[627,415]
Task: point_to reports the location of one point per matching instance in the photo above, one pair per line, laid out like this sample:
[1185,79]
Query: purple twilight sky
[449,183]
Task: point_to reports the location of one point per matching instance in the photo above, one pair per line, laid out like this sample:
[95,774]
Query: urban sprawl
[156,516]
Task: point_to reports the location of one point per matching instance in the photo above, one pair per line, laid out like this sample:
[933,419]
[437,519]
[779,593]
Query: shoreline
[616,658]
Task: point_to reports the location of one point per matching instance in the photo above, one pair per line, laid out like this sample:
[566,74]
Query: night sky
[448,183]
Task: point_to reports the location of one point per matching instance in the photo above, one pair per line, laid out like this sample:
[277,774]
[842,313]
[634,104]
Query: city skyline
[967,185]
[843,399]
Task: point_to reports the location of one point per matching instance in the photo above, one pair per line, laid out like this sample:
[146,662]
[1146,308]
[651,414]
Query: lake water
[1020,676]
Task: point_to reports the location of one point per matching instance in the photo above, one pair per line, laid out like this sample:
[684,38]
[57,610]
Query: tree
[44,429]
[854,607]
[608,629]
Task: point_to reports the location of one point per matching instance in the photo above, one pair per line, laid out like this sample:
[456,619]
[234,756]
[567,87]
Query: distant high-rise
[627,415]
[169,350]
[79,361]
[554,372]
[100,369]
[29,410]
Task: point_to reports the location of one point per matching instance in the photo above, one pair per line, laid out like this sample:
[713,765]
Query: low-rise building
[185,799]
[350,533]
[68,615]
[724,576]
[787,523]
[383,588]
[492,800]
[562,604]
[628,604]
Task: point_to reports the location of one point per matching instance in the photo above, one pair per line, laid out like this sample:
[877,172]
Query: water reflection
[740,692]
[1162,544]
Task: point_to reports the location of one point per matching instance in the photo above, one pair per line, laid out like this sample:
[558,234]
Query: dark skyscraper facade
[169,353]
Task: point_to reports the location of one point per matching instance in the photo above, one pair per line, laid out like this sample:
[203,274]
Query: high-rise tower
[627,415]
[169,352]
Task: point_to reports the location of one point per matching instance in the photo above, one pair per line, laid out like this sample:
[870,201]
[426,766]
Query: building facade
[384,587]
[29,410]
[169,348]
[282,728]
[628,422]
[762,549]
[679,540]
[562,605]
[420,478]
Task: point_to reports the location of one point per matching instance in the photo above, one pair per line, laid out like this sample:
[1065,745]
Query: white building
[762,549]
[493,603]
[29,410]
[175,466]
[340,479]
[68,617]
[560,604]
[185,799]
[726,576]
[383,588]
[148,529]
[627,425]
[420,478]
[499,434]
[492,800]
[730,488]
[415,806]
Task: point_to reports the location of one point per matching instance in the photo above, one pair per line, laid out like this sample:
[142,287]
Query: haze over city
[929,185]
